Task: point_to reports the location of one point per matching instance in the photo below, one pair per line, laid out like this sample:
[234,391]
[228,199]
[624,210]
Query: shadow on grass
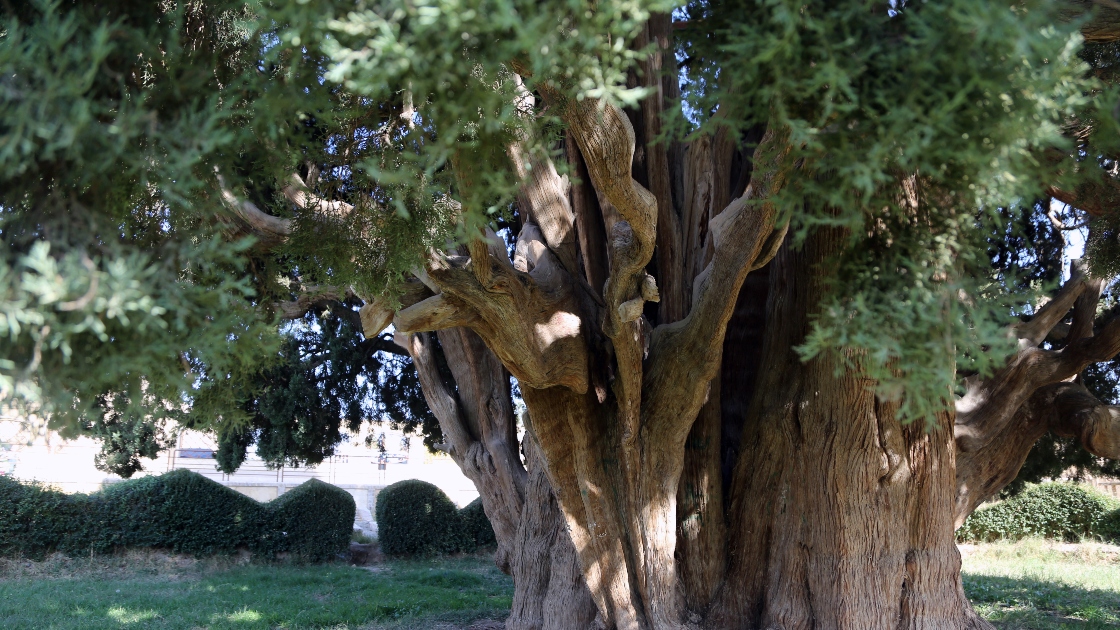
[1026,603]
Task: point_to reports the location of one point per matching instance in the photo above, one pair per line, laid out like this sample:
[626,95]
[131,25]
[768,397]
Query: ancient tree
[736,314]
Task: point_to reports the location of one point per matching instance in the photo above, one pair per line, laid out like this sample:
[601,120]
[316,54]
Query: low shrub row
[180,511]
[1060,511]
[416,518]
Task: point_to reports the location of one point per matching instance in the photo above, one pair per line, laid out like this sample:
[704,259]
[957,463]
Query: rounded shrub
[1108,528]
[315,520]
[477,530]
[1052,510]
[34,519]
[180,511]
[415,517]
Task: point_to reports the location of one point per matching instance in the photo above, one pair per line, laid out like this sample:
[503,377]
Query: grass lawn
[1044,585]
[1031,584]
[155,591]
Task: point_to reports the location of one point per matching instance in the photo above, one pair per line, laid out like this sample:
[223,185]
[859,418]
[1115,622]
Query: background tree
[767,362]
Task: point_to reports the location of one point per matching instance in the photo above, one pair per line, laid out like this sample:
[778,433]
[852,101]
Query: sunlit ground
[142,592]
[1031,584]
[1044,585]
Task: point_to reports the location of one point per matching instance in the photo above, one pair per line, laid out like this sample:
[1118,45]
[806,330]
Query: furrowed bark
[689,351]
[840,516]
[530,318]
[606,141]
[1102,18]
[589,222]
[670,253]
[701,551]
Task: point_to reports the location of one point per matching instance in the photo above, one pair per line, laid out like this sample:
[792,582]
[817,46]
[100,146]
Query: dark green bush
[1108,528]
[315,520]
[1051,510]
[477,530]
[34,519]
[415,517]
[181,511]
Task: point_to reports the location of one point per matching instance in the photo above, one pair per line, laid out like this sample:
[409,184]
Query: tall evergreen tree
[776,304]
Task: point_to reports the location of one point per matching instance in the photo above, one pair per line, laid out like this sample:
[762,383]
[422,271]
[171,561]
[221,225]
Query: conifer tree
[759,302]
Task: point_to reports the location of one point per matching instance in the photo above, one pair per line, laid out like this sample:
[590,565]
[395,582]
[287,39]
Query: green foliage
[181,511]
[1052,510]
[118,275]
[34,520]
[439,73]
[913,127]
[477,530]
[327,377]
[315,519]
[1108,527]
[416,518]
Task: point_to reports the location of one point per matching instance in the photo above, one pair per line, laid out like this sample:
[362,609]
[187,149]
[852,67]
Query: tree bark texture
[841,517]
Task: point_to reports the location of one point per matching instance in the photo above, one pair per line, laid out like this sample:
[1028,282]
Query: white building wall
[30,452]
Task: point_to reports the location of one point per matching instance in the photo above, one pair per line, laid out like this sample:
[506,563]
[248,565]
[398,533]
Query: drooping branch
[1065,409]
[1076,413]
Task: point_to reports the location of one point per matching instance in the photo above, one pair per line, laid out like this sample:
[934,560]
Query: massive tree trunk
[681,471]
[841,517]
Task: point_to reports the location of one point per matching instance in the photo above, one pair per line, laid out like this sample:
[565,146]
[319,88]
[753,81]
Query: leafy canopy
[919,129]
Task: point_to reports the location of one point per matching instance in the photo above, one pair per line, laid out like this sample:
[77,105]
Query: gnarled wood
[1001,417]
[478,421]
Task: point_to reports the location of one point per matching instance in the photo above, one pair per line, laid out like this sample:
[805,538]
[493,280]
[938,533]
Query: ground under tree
[736,332]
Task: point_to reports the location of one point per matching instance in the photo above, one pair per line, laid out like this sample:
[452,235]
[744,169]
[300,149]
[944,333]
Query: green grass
[1042,585]
[146,593]
[1030,584]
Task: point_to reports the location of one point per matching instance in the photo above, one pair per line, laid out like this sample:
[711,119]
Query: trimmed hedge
[416,518]
[315,519]
[477,530]
[1052,510]
[1108,528]
[181,511]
